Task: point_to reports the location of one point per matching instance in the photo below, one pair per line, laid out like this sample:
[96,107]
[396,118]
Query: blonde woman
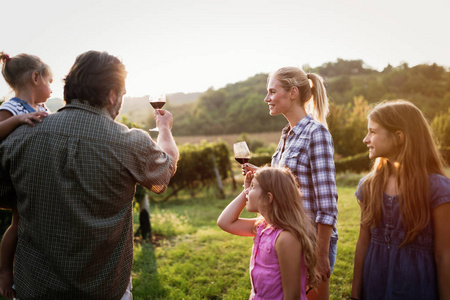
[306,147]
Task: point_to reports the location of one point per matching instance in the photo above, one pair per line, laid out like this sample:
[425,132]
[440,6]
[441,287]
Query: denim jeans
[332,253]
[128,295]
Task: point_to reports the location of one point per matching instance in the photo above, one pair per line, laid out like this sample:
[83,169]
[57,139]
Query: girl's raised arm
[441,225]
[229,219]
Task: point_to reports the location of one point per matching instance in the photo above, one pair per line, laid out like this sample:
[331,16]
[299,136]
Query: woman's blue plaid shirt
[308,151]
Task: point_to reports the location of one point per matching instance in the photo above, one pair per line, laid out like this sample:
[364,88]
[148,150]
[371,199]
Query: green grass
[198,260]
[203,262]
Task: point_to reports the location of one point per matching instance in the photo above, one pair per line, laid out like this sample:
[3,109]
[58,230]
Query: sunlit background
[190,46]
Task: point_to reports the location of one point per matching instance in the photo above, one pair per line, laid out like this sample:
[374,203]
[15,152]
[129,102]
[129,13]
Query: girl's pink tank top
[265,273]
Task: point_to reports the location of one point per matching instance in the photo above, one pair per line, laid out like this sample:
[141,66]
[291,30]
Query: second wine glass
[241,152]
[157,101]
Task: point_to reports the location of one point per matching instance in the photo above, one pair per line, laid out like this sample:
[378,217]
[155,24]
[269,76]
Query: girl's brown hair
[286,212]
[418,157]
[18,70]
[310,87]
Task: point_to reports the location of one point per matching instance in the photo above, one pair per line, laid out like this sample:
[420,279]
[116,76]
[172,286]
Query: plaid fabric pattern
[75,175]
[15,109]
[308,151]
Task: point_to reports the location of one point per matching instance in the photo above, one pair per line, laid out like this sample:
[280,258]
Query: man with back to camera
[74,176]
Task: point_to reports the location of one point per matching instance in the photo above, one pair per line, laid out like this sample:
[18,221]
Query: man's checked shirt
[75,175]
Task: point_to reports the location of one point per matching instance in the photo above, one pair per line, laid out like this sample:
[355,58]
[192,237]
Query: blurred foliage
[348,126]
[356,163]
[197,162]
[445,152]
[352,87]
[261,159]
[253,144]
[441,128]
[130,124]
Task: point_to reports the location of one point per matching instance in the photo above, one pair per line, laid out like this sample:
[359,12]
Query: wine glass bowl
[241,152]
[157,102]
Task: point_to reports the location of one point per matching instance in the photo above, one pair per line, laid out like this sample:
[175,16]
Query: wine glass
[157,101]
[241,152]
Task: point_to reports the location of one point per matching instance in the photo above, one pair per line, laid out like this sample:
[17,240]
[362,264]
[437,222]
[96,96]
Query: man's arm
[165,139]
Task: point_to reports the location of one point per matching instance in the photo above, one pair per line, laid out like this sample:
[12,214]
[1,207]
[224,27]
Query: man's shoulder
[90,126]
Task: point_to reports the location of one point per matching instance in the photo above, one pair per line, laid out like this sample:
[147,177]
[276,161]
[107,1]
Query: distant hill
[240,106]
[54,104]
[182,98]
[138,110]
[351,86]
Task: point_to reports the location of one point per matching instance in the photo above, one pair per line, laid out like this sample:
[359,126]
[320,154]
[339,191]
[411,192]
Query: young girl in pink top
[283,258]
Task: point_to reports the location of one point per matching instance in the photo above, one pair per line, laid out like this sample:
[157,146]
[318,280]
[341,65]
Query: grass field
[200,261]
[197,260]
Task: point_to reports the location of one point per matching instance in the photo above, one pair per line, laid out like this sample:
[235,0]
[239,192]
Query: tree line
[352,87]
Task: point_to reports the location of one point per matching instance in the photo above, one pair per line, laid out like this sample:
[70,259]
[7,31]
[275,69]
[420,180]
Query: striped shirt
[308,151]
[17,108]
[75,175]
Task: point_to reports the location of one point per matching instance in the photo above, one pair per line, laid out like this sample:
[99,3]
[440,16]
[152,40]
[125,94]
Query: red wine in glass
[241,152]
[157,102]
[242,160]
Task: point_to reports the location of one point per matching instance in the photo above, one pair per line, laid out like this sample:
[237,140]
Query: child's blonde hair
[17,70]
[286,212]
[418,157]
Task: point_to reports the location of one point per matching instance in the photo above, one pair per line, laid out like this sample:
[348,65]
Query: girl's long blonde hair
[418,157]
[286,212]
[313,95]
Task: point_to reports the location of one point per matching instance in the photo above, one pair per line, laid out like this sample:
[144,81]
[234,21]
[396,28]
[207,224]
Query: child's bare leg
[7,251]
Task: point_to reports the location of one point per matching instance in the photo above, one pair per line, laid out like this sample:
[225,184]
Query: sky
[192,45]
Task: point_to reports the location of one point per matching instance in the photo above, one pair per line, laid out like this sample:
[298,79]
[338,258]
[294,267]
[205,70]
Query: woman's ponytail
[319,108]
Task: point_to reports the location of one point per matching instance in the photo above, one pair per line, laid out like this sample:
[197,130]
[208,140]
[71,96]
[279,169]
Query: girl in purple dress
[283,258]
[403,249]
